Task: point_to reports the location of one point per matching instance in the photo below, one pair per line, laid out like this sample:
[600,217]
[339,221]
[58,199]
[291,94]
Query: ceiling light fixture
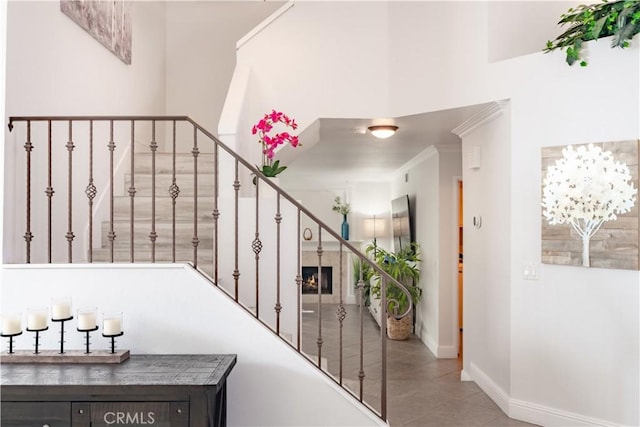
[383,131]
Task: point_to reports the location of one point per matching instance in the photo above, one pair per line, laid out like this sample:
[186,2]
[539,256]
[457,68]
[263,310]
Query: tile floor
[422,390]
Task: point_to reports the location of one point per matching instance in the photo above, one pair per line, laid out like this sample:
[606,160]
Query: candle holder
[113,340]
[37,337]
[11,327]
[61,321]
[87,323]
[87,340]
[37,322]
[112,328]
[61,312]
[10,336]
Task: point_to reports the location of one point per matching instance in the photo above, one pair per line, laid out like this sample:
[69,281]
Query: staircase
[176,218]
[164,214]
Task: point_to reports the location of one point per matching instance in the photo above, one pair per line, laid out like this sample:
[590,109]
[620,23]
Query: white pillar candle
[11,324]
[61,309]
[112,326]
[37,319]
[86,319]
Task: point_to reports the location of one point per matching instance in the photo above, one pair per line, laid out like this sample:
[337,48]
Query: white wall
[450,169]
[54,67]
[575,332]
[190,316]
[346,73]
[422,189]
[487,254]
[509,38]
[431,190]
[201,41]
[3,48]
[556,352]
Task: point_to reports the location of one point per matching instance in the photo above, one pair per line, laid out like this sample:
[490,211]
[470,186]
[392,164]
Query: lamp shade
[374,227]
[383,131]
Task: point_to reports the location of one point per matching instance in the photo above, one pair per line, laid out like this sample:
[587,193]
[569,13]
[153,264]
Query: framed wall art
[590,205]
[109,22]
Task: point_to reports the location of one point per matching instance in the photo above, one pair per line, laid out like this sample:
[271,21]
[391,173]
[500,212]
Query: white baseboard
[493,390]
[527,411]
[440,351]
[546,416]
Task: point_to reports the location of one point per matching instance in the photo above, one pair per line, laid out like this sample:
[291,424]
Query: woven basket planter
[399,329]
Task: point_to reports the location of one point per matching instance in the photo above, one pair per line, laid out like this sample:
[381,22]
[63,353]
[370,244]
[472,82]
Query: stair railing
[88,133]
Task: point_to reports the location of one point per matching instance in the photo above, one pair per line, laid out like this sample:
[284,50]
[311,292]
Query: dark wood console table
[146,390]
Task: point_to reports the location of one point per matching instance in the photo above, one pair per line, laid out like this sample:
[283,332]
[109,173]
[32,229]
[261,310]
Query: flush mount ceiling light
[383,131]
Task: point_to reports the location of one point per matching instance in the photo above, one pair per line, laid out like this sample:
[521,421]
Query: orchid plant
[271,167]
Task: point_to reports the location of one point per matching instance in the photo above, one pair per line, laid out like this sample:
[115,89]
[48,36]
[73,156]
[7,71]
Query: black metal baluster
[132,194]
[319,340]
[361,305]
[236,271]
[195,241]
[28,235]
[383,337]
[153,235]
[91,191]
[112,146]
[70,234]
[299,287]
[49,192]
[216,213]
[174,191]
[341,313]
[278,306]
[256,245]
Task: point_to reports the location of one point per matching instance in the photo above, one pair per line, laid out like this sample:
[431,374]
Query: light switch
[530,271]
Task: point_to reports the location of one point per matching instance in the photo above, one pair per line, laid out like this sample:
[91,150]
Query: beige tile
[422,391]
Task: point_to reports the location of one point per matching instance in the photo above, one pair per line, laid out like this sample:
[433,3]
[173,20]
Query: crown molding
[449,148]
[493,110]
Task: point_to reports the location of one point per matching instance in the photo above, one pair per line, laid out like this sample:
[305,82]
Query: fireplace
[310,280]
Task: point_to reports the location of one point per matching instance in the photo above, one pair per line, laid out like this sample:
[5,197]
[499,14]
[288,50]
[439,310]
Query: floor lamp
[374,227]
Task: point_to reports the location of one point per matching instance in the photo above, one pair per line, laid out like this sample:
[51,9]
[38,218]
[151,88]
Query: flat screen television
[401,223]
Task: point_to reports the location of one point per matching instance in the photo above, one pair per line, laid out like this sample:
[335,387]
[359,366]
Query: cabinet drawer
[37,414]
[158,414]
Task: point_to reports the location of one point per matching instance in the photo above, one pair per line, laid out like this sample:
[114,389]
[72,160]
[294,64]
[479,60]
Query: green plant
[341,208]
[367,273]
[620,19]
[402,266]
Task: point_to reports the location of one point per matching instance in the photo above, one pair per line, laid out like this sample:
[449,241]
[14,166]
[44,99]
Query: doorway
[460,266]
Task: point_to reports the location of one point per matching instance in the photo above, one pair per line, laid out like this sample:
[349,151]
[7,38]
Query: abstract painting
[108,21]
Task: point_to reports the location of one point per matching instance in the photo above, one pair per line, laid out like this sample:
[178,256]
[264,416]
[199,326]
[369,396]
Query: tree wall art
[590,205]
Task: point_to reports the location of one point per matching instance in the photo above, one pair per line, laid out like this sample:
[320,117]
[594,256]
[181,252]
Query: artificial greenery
[341,208]
[269,170]
[402,266]
[273,169]
[620,19]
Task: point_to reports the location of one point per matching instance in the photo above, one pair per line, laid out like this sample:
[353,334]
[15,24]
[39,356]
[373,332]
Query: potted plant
[270,143]
[343,209]
[402,266]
